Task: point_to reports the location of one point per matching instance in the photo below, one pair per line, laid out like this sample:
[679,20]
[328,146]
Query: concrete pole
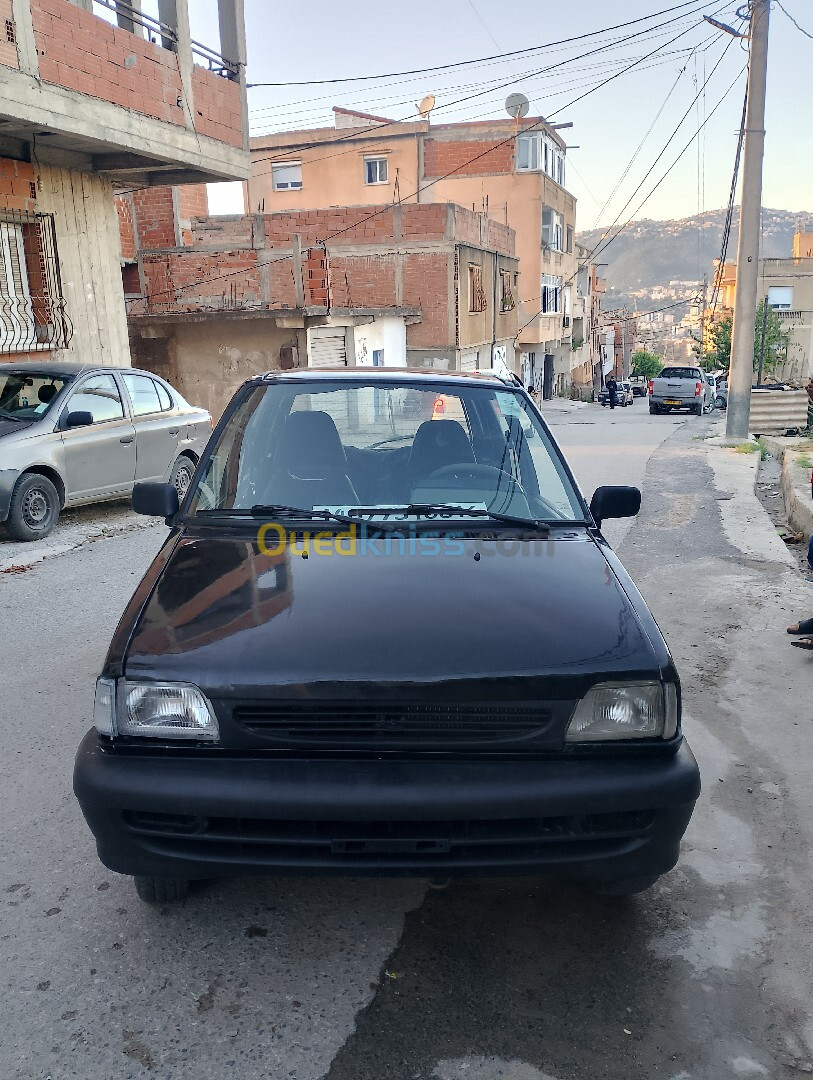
[741,374]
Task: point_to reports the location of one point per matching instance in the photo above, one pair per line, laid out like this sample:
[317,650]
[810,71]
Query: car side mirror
[155,500]
[615,502]
[77,419]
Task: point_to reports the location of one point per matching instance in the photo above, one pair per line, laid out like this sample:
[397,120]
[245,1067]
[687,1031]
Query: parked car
[379,644]
[639,386]
[721,394]
[679,388]
[72,434]
[624,395]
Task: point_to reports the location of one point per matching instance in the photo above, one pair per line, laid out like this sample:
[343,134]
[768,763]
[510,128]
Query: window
[569,239]
[286,176]
[99,396]
[163,397]
[506,293]
[781,297]
[16,309]
[378,357]
[477,296]
[553,225]
[528,152]
[551,294]
[143,394]
[375,170]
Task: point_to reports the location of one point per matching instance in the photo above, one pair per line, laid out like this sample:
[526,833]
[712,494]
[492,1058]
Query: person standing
[612,390]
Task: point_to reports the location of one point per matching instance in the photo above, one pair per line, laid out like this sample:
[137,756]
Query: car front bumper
[181,817]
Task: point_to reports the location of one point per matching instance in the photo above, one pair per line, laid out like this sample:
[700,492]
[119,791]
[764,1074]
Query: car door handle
[126,438]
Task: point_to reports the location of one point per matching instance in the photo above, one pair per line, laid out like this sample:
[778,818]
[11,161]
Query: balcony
[131,97]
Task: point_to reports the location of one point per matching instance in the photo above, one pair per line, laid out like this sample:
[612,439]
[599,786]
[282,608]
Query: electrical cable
[799,28]
[479,60]
[718,277]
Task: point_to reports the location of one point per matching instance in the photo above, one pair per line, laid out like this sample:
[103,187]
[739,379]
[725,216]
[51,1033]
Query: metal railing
[166,36]
[33,313]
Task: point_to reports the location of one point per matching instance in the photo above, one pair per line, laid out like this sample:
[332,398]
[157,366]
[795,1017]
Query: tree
[646,364]
[776,340]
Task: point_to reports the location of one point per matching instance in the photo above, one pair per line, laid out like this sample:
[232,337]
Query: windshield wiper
[416,509]
[280,510]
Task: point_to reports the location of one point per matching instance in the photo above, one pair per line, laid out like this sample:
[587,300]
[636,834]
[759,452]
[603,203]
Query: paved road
[704,978]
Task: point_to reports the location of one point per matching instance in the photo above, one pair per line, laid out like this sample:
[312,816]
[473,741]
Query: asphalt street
[705,977]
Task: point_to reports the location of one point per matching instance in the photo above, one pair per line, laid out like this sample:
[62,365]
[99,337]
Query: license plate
[672,401]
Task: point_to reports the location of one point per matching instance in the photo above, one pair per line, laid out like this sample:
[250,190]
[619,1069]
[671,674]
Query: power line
[354,135]
[718,277]
[799,28]
[479,60]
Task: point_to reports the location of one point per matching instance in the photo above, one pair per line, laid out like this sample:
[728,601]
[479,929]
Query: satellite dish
[427,105]
[517,105]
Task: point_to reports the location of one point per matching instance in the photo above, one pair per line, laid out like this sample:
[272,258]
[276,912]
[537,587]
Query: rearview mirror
[155,500]
[615,502]
[78,419]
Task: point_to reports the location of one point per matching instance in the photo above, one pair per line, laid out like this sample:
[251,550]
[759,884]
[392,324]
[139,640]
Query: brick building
[91,105]
[222,298]
[512,170]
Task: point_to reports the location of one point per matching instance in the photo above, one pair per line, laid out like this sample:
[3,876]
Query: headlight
[607,713]
[165,711]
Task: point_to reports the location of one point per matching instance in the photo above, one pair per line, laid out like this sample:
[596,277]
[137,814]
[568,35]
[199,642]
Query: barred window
[477,296]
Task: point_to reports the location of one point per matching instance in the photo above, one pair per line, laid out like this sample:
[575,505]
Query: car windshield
[373,446]
[28,395]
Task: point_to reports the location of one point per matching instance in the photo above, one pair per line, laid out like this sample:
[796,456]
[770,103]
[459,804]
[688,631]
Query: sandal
[803,643]
[804,626]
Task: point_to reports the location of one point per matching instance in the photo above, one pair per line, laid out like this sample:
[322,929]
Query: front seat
[437,443]
[310,465]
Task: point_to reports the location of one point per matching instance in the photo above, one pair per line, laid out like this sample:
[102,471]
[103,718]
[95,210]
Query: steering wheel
[468,473]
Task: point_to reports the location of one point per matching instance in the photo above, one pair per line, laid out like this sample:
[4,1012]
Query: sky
[618,129]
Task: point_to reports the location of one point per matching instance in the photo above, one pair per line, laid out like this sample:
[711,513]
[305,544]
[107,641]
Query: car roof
[391,374]
[69,368]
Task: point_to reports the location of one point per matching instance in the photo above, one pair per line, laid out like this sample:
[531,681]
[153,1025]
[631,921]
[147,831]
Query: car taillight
[698,389]
[651,387]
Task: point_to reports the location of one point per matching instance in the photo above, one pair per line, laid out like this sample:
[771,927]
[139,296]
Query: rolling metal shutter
[327,346]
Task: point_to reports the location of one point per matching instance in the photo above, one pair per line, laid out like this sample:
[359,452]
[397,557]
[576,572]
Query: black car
[386,640]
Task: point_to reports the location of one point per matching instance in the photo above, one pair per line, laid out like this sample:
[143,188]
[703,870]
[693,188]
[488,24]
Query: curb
[795,482]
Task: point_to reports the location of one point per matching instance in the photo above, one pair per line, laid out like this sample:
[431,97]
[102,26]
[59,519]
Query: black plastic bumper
[190,817]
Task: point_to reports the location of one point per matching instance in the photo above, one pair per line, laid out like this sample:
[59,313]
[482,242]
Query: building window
[32,308]
[528,153]
[378,357]
[375,170]
[569,239]
[506,293]
[477,296]
[286,176]
[553,225]
[551,299]
[780,297]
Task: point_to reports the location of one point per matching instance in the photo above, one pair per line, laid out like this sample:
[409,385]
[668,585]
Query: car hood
[13,427]
[232,620]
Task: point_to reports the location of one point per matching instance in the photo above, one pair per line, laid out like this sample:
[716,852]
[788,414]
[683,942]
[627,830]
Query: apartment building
[97,97]
[223,298]
[514,171]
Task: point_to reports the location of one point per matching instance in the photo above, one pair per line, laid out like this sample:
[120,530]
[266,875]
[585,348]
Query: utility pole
[703,316]
[741,374]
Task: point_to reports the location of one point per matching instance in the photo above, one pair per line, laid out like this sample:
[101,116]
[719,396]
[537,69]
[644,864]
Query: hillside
[654,253]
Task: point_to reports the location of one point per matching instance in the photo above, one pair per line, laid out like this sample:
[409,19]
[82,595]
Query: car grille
[362,725]
[319,843]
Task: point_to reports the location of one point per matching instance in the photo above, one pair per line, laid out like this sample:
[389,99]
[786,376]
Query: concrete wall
[207,368]
[385,333]
[87,231]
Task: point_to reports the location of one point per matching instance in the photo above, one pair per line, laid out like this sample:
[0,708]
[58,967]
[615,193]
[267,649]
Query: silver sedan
[72,434]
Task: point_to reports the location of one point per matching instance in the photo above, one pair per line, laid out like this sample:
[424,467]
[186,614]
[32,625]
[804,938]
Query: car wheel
[624,886]
[182,472]
[654,410]
[34,508]
[161,890]
[719,402]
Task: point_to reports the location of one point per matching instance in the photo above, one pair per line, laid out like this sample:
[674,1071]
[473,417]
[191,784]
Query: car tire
[161,890]
[624,886]
[181,476]
[654,410]
[34,508]
[719,402]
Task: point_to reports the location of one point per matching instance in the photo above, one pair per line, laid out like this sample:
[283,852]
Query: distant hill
[652,253]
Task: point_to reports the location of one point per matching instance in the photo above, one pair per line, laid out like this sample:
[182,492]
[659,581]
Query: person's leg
[810,553]
[803,626]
